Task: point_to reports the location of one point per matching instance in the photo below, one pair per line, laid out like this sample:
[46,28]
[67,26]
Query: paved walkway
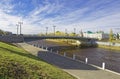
[77,69]
[33,50]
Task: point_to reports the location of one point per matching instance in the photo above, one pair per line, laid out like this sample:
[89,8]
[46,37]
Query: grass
[68,42]
[109,47]
[59,41]
[107,40]
[116,41]
[16,63]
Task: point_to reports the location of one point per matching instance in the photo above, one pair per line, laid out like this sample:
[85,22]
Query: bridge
[21,38]
[34,37]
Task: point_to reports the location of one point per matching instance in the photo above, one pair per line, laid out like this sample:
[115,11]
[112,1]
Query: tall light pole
[20,23]
[66,32]
[17,28]
[46,30]
[75,30]
[81,33]
[54,29]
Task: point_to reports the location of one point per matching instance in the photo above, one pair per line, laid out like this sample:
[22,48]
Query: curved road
[75,68]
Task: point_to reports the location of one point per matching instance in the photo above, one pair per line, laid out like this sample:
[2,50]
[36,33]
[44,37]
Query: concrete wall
[12,38]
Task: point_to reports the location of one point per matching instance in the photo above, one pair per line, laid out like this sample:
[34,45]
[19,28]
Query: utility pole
[46,30]
[54,29]
[17,28]
[20,24]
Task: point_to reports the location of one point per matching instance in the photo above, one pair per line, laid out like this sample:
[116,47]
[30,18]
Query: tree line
[4,32]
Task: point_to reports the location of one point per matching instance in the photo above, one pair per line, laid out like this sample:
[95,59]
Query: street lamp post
[46,30]
[54,29]
[17,28]
[66,32]
[81,33]
[20,23]
[74,31]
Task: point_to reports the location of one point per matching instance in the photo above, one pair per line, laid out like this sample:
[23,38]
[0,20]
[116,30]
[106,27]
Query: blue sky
[94,15]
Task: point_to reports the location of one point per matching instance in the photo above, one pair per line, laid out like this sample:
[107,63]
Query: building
[97,35]
[117,36]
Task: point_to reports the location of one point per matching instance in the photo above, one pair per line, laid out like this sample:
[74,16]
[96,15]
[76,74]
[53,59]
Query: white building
[96,35]
[119,35]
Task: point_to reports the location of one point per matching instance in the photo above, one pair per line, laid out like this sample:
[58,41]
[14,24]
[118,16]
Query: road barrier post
[64,54]
[86,60]
[103,65]
[46,48]
[74,56]
[57,52]
[51,50]
[42,47]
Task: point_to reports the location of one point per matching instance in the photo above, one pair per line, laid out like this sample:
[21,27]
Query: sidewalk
[77,69]
[33,50]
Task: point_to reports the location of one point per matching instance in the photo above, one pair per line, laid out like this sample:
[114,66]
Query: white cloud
[6,6]
[36,20]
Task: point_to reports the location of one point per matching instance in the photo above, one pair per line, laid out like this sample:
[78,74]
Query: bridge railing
[57,36]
